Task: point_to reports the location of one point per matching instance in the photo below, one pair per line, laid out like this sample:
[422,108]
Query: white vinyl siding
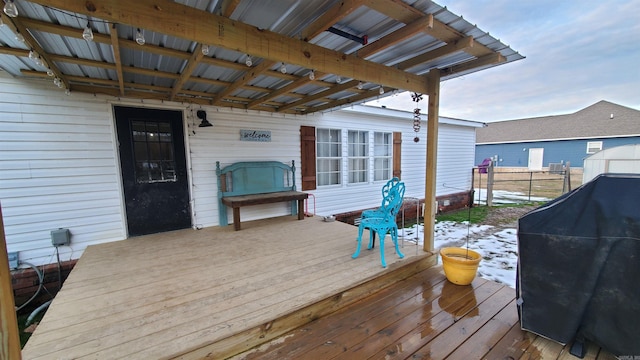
[58,169]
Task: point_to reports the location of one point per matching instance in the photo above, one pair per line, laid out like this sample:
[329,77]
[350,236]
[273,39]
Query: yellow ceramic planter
[460,265]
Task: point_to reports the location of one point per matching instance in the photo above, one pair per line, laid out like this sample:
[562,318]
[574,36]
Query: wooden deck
[278,289]
[422,317]
[212,292]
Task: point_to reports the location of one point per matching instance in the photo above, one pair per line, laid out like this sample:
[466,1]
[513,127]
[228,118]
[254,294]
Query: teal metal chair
[385,224]
[380,212]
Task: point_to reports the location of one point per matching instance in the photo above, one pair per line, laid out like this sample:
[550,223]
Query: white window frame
[328,157]
[358,156]
[382,155]
[593,145]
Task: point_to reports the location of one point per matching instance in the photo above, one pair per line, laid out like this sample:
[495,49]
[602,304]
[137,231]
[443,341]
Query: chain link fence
[512,185]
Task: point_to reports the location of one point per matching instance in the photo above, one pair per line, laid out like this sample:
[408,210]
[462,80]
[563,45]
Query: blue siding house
[534,143]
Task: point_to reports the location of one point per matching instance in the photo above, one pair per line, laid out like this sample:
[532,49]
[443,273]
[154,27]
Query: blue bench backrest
[256,177]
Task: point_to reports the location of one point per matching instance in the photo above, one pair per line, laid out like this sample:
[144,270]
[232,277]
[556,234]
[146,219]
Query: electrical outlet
[13,260]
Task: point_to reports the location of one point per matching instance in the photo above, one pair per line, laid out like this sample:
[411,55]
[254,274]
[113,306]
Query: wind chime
[416,115]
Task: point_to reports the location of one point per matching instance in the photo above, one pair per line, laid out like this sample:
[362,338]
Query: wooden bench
[254,183]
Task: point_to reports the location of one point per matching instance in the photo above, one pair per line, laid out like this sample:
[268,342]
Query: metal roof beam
[174,19]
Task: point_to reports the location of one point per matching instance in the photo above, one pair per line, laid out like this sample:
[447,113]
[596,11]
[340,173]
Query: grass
[475,216]
[22,319]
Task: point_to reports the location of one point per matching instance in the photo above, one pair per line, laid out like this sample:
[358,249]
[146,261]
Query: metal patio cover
[357,49]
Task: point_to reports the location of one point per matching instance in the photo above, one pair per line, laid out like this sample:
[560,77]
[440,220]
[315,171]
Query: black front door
[154,169]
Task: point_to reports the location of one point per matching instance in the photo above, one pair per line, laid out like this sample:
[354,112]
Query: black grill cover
[579,265]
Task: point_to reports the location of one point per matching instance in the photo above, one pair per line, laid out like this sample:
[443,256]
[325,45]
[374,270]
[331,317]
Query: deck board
[174,293]
[278,289]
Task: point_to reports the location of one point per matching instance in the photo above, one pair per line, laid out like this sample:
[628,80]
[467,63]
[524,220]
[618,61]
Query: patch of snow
[499,248]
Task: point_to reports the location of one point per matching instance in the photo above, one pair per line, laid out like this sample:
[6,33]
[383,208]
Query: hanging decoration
[416,115]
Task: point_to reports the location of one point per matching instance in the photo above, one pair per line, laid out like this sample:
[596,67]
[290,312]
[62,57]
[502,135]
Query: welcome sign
[255,135]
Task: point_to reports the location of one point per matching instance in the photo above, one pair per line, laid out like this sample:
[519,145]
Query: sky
[577,52]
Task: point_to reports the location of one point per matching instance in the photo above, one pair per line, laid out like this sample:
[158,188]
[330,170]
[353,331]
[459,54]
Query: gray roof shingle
[602,119]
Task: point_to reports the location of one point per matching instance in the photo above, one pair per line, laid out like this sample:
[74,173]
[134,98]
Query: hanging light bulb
[38,61]
[248,61]
[67,92]
[381,91]
[312,75]
[360,85]
[283,68]
[338,79]
[87,34]
[19,37]
[50,72]
[56,81]
[205,49]
[10,9]
[140,37]
[33,55]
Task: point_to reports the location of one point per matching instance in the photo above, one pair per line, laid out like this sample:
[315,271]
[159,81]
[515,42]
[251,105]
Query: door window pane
[153,151]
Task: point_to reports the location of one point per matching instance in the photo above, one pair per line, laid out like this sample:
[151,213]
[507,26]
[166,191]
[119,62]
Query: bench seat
[236,202]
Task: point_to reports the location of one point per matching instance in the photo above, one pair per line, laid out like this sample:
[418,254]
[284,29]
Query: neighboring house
[62,160]
[536,142]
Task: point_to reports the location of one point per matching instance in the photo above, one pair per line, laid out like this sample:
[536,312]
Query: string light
[205,49]
[381,90]
[360,85]
[248,61]
[312,75]
[50,72]
[283,68]
[87,34]
[57,81]
[140,37]
[10,9]
[338,79]
[19,37]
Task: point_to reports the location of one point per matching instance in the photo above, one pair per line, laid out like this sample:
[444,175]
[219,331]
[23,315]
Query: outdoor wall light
[203,115]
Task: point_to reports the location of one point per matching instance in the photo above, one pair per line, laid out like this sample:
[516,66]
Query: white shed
[620,159]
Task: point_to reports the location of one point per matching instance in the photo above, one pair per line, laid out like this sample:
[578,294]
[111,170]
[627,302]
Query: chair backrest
[395,196]
[385,191]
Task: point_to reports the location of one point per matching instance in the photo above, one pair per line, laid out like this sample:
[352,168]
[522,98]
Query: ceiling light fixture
[205,49]
[140,37]
[248,61]
[338,79]
[381,91]
[283,68]
[50,72]
[87,34]
[10,9]
[360,85]
[312,75]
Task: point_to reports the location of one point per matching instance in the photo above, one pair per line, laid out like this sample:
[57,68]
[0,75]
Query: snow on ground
[498,246]
[499,249]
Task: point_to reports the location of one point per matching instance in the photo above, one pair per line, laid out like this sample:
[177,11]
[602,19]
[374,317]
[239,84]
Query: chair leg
[382,236]
[355,254]
[394,238]
[372,239]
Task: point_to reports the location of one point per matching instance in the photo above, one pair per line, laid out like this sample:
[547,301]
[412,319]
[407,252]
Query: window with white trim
[382,155]
[358,156]
[328,156]
[594,146]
